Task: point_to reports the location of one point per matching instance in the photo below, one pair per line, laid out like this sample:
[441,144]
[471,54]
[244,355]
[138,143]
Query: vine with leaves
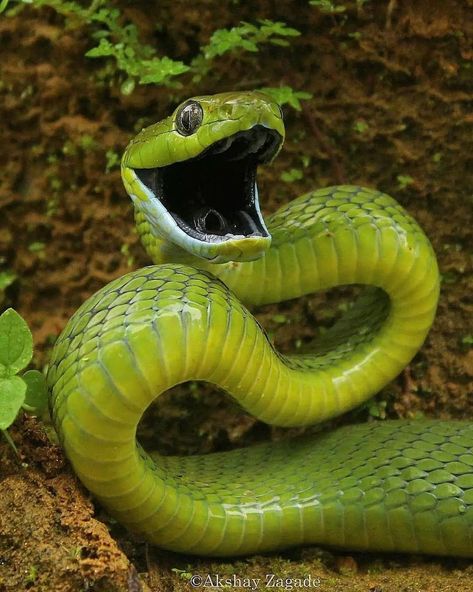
[129,63]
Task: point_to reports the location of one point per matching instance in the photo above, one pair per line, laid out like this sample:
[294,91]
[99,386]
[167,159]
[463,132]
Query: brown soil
[392,85]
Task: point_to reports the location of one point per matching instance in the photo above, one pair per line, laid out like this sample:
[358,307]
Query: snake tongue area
[214,196]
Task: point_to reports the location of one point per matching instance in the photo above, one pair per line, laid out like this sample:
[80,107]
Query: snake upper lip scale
[404,486]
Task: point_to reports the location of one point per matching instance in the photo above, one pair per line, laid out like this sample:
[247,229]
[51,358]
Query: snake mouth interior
[213,197]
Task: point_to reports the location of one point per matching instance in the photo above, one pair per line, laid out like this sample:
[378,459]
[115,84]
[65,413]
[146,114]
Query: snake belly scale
[382,486]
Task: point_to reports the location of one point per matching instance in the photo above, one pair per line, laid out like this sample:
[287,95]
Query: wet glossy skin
[388,485]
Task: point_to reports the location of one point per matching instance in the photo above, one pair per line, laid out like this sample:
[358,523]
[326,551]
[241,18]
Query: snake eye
[189,117]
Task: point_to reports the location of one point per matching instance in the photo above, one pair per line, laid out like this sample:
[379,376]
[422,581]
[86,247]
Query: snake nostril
[210,221]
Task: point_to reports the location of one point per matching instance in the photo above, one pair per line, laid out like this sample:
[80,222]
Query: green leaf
[361,126]
[159,70]
[36,395]
[291,175]
[16,343]
[3,5]
[404,181]
[12,395]
[36,247]
[6,279]
[278,28]
[467,340]
[247,36]
[285,95]
[377,408]
[104,48]
[328,7]
[127,87]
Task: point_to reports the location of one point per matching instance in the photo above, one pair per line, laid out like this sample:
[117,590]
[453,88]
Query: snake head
[193,175]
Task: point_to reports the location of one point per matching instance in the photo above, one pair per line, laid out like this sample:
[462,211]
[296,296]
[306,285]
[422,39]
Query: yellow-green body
[392,485]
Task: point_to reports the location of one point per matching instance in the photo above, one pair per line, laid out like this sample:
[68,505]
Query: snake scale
[385,485]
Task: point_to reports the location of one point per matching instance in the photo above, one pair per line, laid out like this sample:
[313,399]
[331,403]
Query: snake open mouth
[214,197]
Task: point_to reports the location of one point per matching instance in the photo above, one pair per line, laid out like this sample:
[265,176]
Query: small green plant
[248,36]
[112,160]
[361,126]
[404,181]
[356,35]
[377,408]
[55,183]
[36,247]
[244,37]
[328,7]
[32,574]
[142,65]
[130,62]
[291,175]
[285,95]
[27,391]
[280,319]
[87,142]
[6,279]
[467,341]
[182,573]
[144,68]
[75,552]
[137,60]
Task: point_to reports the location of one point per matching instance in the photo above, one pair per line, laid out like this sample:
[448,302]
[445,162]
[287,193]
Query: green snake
[382,486]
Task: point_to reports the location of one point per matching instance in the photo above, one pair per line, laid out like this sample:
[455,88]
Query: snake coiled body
[387,485]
